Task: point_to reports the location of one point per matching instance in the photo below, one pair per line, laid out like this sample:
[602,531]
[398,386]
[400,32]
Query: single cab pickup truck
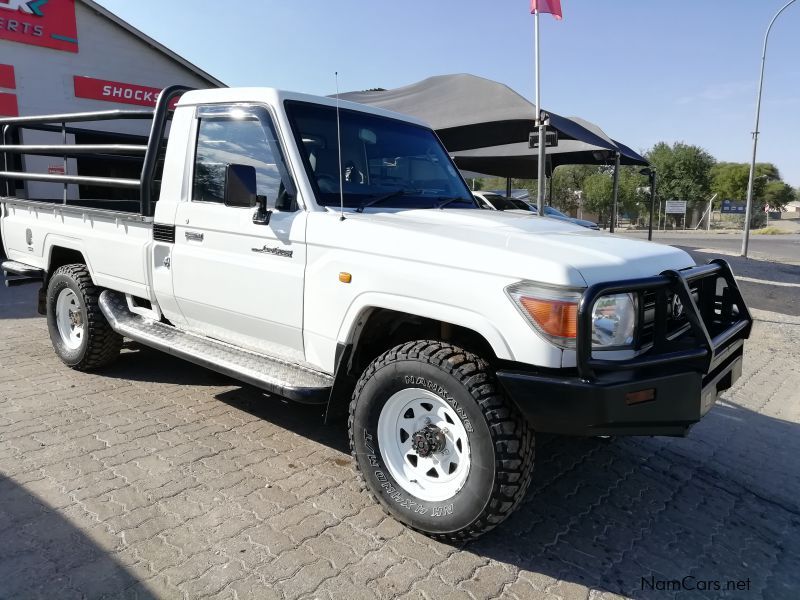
[331,253]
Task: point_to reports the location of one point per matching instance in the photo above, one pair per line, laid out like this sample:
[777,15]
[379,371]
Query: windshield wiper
[384,198]
[448,201]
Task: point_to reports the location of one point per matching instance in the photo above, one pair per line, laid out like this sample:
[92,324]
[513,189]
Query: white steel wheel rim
[69,319]
[433,478]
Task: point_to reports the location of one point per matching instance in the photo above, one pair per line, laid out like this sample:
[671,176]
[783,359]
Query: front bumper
[670,386]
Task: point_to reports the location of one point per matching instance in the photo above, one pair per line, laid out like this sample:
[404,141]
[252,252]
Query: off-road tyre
[100,345]
[500,440]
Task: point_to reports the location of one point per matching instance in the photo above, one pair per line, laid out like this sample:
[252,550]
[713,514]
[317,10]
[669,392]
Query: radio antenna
[339,143]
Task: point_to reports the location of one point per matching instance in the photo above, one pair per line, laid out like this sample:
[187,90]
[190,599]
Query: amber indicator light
[640,396]
[555,317]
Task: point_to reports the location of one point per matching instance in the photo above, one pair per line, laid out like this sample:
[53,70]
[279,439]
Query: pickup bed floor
[295,382]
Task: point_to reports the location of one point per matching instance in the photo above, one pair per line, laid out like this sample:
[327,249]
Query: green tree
[684,172]
[476,184]
[598,190]
[778,194]
[729,180]
[597,185]
[566,181]
[633,197]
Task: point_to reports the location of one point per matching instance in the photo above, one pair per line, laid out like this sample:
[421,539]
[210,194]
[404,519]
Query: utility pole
[751,181]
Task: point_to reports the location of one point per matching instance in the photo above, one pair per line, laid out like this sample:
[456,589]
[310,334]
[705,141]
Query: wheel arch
[59,252]
[375,328]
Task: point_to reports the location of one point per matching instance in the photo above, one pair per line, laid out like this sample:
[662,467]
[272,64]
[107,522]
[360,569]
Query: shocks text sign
[48,23]
[116,91]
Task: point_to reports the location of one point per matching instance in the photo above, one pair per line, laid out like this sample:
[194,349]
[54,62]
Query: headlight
[552,311]
[613,321]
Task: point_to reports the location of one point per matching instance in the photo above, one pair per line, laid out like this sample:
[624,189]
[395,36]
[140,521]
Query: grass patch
[769,231]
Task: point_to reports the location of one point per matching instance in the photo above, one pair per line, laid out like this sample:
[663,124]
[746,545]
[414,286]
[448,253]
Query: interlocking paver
[157,479]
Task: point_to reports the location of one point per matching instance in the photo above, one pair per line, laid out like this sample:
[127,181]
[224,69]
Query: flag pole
[540,179]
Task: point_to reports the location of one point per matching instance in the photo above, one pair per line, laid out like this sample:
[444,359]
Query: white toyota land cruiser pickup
[337,257]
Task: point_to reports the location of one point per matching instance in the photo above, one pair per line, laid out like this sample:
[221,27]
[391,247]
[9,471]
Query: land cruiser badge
[274,251]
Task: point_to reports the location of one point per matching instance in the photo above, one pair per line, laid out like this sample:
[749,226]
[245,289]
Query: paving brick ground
[157,479]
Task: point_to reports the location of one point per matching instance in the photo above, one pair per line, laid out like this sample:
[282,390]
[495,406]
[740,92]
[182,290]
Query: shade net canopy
[486,126]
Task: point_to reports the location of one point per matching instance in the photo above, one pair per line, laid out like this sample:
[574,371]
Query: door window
[231,138]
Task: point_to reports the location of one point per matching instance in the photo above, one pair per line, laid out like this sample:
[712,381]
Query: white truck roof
[275,97]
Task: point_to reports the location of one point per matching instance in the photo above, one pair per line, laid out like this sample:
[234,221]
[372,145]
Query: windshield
[384,162]
[504,203]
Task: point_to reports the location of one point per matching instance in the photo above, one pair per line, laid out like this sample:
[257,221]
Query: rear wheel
[81,336]
[436,442]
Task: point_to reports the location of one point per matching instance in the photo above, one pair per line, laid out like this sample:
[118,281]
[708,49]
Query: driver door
[234,279]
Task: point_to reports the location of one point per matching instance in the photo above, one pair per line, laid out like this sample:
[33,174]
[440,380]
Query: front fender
[454,315]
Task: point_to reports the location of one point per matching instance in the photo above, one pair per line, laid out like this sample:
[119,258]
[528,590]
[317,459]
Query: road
[781,248]
[769,278]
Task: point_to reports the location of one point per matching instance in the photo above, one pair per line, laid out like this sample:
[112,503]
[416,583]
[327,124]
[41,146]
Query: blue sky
[644,70]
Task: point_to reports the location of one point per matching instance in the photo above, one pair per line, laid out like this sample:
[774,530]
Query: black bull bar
[717,316]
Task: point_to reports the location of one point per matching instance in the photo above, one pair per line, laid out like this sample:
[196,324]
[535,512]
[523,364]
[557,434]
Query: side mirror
[240,186]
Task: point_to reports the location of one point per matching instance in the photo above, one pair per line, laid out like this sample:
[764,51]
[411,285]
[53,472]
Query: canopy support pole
[615,197]
[508,187]
[652,203]
[540,176]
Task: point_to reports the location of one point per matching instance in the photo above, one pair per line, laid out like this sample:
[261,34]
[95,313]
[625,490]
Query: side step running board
[17,273]
[295,382]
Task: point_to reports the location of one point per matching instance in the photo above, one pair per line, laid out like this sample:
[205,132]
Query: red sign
[115,91]
[8,105]
[48,23]
[56,170]
[7,79]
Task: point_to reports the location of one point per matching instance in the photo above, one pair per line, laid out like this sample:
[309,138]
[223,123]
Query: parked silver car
[492,201]
[549,211]
[496,201]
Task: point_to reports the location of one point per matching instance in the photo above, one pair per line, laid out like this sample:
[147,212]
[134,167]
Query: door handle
[193,236]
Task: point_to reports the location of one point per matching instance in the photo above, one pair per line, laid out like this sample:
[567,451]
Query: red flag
[547,6]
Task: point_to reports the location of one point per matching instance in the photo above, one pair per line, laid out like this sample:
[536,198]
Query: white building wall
[45,85]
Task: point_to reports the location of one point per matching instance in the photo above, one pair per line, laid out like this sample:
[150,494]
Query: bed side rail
[63,123]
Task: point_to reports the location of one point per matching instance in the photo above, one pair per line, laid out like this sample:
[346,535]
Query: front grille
[676,321]
[164,233]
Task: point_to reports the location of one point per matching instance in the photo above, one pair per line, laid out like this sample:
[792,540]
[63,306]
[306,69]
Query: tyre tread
[512,438]
[104,343]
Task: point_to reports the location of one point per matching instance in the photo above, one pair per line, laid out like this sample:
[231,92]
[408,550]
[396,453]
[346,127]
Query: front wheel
[437,443]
